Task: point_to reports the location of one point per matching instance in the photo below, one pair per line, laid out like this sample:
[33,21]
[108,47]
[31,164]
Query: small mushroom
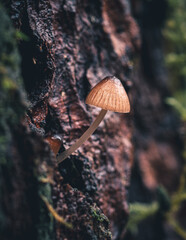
[109,94]
[54,142]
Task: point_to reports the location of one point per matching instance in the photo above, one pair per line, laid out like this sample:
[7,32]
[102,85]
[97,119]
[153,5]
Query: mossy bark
[23,214]
[66,47]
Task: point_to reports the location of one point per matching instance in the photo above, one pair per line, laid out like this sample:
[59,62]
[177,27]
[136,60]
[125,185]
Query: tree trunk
[66,47]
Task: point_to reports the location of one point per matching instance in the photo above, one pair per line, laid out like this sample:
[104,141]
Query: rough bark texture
[24,157]
[71,46]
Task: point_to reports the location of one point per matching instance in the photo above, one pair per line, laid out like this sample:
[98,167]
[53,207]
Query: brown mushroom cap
[109,94]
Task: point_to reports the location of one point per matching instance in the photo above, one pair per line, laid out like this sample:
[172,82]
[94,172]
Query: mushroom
[54,142]
[109,94]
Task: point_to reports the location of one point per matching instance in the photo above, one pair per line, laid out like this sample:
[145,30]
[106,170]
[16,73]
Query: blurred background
[157,193]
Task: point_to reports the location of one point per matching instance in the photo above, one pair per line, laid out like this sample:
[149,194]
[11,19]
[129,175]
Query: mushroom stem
[83,138]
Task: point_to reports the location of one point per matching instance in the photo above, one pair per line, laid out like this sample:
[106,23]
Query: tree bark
[66,47]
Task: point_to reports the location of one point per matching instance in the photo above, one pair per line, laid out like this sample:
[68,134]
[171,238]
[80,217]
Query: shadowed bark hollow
[66,47]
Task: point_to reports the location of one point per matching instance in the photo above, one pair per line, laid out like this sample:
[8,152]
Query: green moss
[101,223]
[140,212]
[166,207]
[100,217]
[45,226]
[8,84]
[9,72]
[105,233]
[12,108]
[21,36]
[175,37]
[178,106]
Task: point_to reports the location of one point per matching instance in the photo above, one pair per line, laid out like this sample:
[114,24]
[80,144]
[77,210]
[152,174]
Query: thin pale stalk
[83,138]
